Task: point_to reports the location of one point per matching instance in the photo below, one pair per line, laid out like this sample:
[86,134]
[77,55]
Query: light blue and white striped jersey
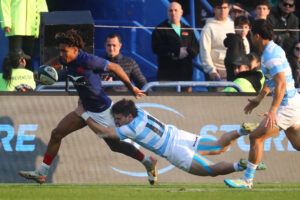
[149,132]
[274,61]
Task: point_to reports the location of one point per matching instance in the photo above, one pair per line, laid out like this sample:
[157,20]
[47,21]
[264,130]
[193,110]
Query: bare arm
[102,131]
[115,68]
[253,103]
[280,85]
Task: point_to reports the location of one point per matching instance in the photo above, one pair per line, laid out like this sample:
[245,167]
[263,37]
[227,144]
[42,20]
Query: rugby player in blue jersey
[85,70]
[284,111]
[183,149]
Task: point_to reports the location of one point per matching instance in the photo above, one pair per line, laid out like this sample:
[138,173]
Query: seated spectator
[254,61]
[248,80]
[294,60]
[113,45]
[237,44]
[282,17]
[15,76]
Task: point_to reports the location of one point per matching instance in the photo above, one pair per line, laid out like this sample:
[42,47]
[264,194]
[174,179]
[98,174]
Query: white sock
[237,167]
[43,169]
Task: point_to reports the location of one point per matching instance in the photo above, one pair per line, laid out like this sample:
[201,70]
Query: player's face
[113,46]
[262,11]
[66,53]
[121,119]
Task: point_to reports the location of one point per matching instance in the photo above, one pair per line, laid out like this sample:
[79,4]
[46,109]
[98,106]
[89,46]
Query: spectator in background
[282,17]
[21,23]
[249,79]
[212,49]
[237,10]
[294,60]
[113,45]
[262,9]
[175,47]
[15,76]
[237,44]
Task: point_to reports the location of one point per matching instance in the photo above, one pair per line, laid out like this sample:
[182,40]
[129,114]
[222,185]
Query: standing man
[113,45]
[212,49]
[175,47]
[85,70]
[284,112]
[21,23]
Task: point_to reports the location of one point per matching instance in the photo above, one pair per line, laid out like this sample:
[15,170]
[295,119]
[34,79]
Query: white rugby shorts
[182,149]
[289,115]
[103,118]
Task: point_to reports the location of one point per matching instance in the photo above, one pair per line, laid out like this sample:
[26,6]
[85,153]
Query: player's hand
[252,103]
[138,93]
[79,110]
[270,119]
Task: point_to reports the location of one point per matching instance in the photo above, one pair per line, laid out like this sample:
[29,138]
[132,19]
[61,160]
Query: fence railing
[61,86]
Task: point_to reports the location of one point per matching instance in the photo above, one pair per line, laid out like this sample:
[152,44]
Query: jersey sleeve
[125,131]
[275,65]
[98,64]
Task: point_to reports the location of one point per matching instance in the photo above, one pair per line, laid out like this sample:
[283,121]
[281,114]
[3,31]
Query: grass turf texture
[163,191]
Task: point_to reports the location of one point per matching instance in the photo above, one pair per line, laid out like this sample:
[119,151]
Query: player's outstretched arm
[117,69]
[101,131]
[253,103]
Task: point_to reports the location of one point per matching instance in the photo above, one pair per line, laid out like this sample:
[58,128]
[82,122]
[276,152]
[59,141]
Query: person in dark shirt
[175,47]
[113,45]
[283,17]
[85,70]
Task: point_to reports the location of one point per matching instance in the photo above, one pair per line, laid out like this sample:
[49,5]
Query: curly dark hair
[124,107]
[71,37]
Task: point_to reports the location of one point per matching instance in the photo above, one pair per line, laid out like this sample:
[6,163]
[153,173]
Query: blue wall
[136,42]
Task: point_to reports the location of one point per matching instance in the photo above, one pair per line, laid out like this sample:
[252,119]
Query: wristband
[85,116]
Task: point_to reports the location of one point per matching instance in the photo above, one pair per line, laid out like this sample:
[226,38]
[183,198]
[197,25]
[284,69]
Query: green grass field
[142,192]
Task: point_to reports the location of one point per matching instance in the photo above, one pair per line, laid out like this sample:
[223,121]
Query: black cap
[241,60]
[18,54]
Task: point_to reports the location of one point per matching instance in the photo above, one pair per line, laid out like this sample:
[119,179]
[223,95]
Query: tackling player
[183,149]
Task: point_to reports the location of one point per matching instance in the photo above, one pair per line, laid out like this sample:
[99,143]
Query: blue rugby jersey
[149,132]
[274,61]
[85,73]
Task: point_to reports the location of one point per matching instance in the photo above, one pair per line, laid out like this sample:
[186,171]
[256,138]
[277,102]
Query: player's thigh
[293,135]
[262,132]
[200,166]
[70,123]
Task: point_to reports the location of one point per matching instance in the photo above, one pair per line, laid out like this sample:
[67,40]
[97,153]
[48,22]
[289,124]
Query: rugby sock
[48,159]
[139,156]
[43,169]
[250,171]
[237,167]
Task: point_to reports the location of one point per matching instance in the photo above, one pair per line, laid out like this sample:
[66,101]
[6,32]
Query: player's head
[69,43]
[124,111]
[262,30]
[113,45]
